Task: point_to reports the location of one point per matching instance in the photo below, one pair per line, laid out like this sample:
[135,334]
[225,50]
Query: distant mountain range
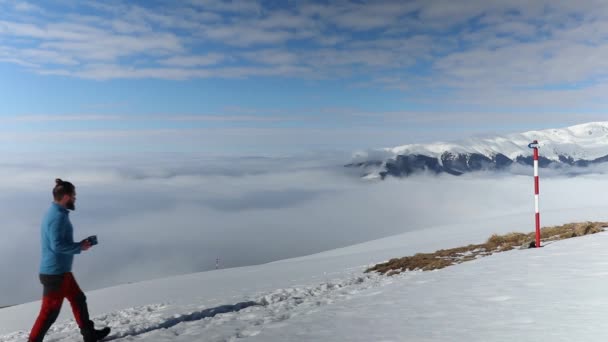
[581,145]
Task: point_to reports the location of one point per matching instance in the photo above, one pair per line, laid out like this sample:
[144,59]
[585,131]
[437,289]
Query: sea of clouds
[161,215]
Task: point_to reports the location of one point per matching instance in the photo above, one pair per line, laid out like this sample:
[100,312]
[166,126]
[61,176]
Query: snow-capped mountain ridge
[579,145]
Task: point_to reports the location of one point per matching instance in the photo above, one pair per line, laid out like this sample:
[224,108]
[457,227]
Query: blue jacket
[57,237]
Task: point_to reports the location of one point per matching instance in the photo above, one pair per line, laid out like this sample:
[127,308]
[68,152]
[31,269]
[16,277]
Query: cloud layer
[309,74]
[520,50]
[158,217]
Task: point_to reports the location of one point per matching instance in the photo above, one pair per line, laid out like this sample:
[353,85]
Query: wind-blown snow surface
[556,293]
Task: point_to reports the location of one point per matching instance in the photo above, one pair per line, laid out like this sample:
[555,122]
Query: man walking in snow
[58,249]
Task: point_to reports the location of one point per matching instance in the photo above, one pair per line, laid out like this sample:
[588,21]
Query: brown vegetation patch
[495,244]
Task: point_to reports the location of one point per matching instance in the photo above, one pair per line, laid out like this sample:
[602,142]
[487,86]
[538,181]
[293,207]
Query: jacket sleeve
[59,242]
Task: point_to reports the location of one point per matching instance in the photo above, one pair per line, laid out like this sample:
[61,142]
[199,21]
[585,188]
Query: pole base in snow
[533,245]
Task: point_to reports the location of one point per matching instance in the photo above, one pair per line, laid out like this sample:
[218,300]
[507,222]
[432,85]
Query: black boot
[93,335]
[101,334]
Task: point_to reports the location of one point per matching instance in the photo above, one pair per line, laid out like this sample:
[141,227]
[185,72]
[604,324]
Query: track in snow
[165,322]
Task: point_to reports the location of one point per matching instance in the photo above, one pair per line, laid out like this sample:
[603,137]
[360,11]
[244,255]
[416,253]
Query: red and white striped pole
[534,145]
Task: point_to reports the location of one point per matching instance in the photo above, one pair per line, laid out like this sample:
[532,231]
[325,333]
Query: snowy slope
[327,297]
[585,143]
[557,293]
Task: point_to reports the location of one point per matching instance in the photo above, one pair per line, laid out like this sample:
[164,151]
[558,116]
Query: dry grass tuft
[495,244]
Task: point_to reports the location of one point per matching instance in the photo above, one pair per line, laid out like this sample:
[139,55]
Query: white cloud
[167,214]
[18,61]
[244,35]
[50,118]
[194,61]
[371,15]
[489,46]
[147,118]
[230,118]
[64,31]
[112,47]
[116,71]
[273,56]
[26,6]
[227,6]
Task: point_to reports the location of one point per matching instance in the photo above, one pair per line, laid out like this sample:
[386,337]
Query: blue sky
[279,77]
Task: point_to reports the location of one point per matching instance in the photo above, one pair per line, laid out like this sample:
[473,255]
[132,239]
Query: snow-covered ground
[554,293]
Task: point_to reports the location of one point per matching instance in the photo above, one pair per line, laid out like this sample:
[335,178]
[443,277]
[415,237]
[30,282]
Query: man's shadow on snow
[194,316]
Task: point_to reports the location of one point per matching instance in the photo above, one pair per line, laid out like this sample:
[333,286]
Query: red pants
[56,288]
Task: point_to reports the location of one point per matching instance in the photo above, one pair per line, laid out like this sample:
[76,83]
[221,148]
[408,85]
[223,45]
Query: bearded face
[71,203]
